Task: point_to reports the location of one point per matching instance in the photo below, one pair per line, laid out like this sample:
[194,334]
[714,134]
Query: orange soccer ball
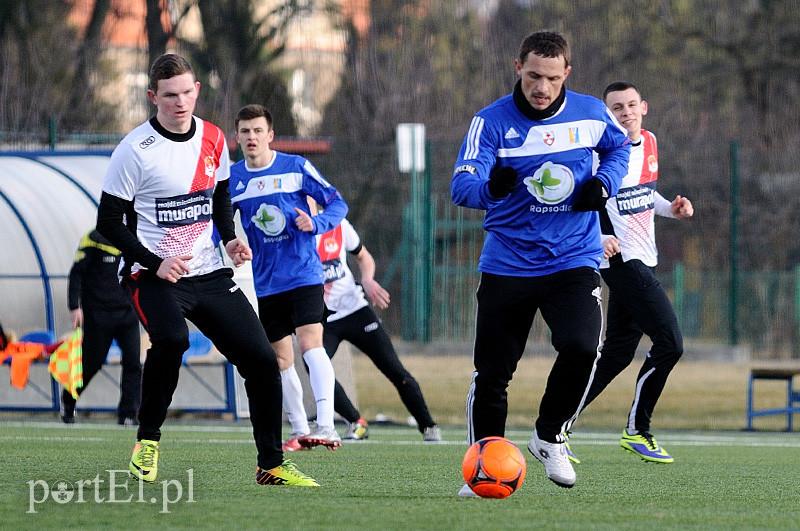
[493,467]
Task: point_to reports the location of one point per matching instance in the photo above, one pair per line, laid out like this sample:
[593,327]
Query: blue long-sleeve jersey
[534,230]
[284,257]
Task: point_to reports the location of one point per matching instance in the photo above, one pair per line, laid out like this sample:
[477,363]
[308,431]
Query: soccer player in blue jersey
[271,191]
[527,161]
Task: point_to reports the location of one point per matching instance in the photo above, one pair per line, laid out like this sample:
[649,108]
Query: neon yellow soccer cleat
[645,446]
[144,461]
[287,474]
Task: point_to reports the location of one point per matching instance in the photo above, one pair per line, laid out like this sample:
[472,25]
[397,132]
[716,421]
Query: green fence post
[677,279]
[406,275]
[734,273]
[427,260]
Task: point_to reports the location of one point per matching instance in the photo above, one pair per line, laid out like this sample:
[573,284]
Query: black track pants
[364,330]
[570,305]
[100,328]
[638,305]
[219,309]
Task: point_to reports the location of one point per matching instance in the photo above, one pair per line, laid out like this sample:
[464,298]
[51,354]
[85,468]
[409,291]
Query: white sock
[320,372]
[293,400]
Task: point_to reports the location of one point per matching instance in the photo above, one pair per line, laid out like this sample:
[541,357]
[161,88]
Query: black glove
[592,196]
[502,180]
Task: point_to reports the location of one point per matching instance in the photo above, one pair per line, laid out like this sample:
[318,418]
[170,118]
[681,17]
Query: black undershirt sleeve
[110,224]
[223,212]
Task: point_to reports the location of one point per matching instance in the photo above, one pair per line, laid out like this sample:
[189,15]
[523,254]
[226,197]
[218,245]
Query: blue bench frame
[785,374]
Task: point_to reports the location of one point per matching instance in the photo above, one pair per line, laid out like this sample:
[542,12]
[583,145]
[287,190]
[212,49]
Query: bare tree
[161,27]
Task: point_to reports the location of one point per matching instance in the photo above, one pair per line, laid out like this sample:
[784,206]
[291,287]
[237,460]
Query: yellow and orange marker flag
[66,363]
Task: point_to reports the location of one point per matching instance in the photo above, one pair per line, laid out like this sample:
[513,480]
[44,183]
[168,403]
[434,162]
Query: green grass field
[720,480]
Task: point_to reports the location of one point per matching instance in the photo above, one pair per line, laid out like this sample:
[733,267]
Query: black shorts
[283,312]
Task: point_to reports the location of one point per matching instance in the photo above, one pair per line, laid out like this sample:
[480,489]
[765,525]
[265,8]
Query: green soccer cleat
[645,446]
[358,430]
[144,461]
[284,474]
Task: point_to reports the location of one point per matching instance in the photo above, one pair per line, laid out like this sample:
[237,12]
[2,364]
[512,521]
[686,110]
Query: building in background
[315,44]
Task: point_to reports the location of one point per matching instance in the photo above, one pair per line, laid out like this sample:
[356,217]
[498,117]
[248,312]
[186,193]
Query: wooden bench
[784,373]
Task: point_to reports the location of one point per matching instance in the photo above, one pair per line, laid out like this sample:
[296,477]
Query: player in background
[637,303]
[527,161]
[271,190]
[164,186]
[351,319]
[98,303]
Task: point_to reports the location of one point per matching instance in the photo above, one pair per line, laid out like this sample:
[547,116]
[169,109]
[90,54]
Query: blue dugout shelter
[48,200]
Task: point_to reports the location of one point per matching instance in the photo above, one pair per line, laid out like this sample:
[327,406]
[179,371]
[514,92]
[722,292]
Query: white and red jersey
[342,295]
[171,183]
[632,211]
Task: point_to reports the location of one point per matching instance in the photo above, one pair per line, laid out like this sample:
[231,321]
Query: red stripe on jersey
[178,241]
[207,163]
[330,244]
[650,158]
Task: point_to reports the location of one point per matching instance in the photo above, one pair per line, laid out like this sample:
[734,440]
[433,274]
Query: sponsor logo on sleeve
[465,168]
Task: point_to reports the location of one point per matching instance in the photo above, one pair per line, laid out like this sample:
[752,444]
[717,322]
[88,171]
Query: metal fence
[427,249]
[717,302]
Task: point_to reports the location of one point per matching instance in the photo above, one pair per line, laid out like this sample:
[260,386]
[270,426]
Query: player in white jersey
[271,191]
[351,319]
[165,184]
[637,303]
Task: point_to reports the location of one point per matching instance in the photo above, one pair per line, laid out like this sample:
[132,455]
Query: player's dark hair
[618,86]
[545,44]
[253,111]
[167,66]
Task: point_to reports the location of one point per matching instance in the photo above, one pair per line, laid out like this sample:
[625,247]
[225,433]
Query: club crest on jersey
[551,183]
[331,245]
[549,137]
[269,219]
[652,163]
[210,164]
[276,183]
[260,184]
[574,135]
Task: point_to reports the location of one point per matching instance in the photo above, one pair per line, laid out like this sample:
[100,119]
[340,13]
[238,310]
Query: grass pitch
[720,480]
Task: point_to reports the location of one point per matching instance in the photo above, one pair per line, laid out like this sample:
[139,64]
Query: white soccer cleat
[322,436]
[555,460]
[466,492]
[432,434]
